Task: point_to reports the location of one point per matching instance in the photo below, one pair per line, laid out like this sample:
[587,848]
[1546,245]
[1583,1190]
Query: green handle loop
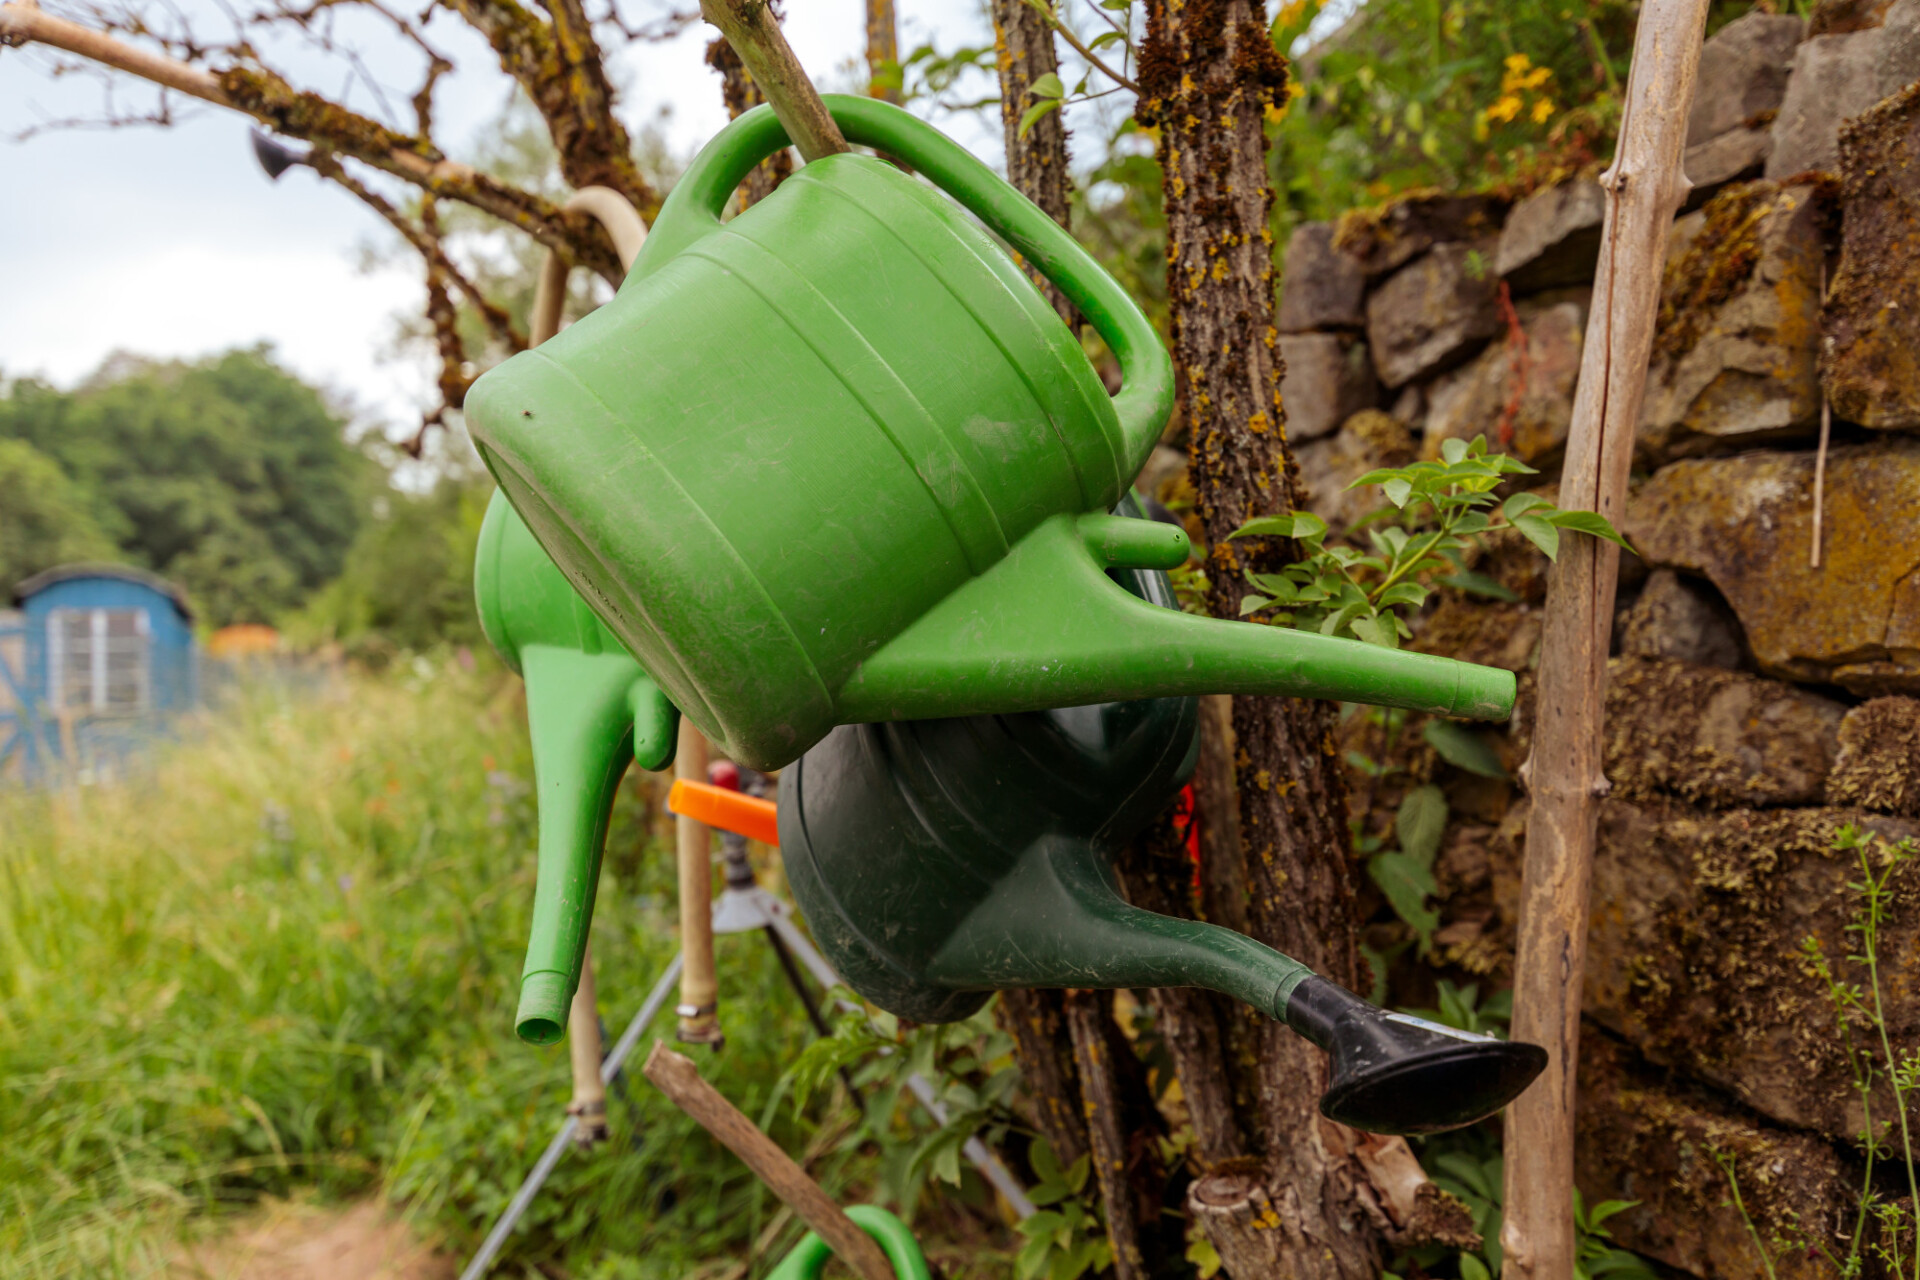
[693,210]
[809,1257]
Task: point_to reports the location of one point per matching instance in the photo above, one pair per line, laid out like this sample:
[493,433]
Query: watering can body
[837,461]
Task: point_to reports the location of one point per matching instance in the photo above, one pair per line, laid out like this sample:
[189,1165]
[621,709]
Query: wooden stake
[749,27]
[699,985]
[675,1075]
[1644,187]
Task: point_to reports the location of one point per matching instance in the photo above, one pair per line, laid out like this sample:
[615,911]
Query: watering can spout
[1006,642]
[1058,921]
[590,714]
[591,710]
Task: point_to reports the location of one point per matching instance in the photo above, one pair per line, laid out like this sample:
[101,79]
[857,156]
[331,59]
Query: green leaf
[1076,1174]
[1420,822]
[1589,522]
[1453,450]
[1403,593]
[1475,583]
[1472,1268]
[1047,86]
[1462,748]
[1035,112]
[1521,503]
[1606,1209]
[1037,1226]
[1106,38]
[1540,534]
[1045,1164]
[1406,884]
[1252,604]
[1398,491]
[1380,631]
[1299,524]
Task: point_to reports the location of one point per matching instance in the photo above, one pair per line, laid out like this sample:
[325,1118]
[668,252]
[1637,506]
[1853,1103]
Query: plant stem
[1740,1207]
[1872,931]
[1066,33]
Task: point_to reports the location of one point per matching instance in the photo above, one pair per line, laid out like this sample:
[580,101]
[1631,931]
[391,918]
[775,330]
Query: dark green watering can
[837,461]
[940,860]
[590,711]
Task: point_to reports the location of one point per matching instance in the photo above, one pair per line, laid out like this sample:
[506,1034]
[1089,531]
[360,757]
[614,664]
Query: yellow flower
[1504,110]
[1518,62]
[1543,111]
[1535,78]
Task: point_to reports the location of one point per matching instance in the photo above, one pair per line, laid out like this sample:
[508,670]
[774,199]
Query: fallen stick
[1564,775]
[675,1075]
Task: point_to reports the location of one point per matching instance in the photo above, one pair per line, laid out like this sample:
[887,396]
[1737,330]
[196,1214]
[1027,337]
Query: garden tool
[939,860]
[590,709]
[809,1258]
[837,461]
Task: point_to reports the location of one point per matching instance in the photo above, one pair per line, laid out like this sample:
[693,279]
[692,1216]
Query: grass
[285,961]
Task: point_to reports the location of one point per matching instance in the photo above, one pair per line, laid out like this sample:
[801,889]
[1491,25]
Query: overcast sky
[172,242]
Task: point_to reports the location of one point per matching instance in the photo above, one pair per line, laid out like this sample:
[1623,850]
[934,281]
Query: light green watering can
[837,461]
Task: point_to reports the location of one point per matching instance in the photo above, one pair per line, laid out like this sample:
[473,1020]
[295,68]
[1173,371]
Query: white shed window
[97,660]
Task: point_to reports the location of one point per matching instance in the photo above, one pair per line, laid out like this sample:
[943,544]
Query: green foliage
[1405,874]
[1437,509]
[289,962]
[229,476]
[1860,1021]
[968,1064]
[1462,748]
[408,579]
[45,519]
[1064,1240]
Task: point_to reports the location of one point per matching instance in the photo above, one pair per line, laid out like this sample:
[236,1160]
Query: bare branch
[268,98]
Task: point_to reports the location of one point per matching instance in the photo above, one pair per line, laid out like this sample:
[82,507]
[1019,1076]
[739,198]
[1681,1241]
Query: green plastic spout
[1046,627]
[591,710]
[1058,920]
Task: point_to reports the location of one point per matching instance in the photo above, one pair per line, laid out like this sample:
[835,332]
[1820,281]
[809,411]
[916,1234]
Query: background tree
[46,519]
[230,475]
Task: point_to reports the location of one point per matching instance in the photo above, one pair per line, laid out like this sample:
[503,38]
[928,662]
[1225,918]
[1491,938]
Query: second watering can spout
[590,711]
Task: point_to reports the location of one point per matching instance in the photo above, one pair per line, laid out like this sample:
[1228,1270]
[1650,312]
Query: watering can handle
[693,210]
[809,1257]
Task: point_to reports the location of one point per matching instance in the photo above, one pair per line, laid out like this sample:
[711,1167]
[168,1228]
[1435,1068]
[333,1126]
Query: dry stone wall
[1758,701]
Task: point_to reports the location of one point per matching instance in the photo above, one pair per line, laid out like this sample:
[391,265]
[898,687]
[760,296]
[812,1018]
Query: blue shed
[96,657]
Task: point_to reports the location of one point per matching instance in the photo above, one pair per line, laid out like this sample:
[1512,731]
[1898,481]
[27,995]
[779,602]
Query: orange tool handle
[744,815]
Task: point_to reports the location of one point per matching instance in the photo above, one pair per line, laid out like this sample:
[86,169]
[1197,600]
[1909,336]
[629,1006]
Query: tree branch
[268,98]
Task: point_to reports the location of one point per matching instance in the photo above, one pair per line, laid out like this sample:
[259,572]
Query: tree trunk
[1208,75]
[1036,164]
[741,95]
[883,52]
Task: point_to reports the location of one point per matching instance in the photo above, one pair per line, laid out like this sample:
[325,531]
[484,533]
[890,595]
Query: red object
[744,815]
[724,773]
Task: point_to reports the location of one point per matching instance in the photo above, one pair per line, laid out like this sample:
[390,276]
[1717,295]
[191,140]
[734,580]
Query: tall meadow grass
[284,961]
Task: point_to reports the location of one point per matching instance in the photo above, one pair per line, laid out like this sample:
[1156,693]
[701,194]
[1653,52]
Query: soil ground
[289,1240]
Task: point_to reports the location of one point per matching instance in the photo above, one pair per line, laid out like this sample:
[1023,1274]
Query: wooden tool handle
[675,1075]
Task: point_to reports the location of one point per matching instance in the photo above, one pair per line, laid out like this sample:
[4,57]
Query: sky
[171,242]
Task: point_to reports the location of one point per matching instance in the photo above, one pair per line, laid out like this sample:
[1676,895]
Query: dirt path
[293,1241]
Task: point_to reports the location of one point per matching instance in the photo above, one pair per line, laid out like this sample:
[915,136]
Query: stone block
[1735,357]
[1433,313]
[1367,441]
[1743,73]
[1734,155]
[1473,399]
[1320,287]
[1552,238]
[1388,237]
[1871,360]
[1694,950]
[1716,738]
[1878,764]
[1328,379]
[1642,1136]
[1681,619]
[1745,523]
[1835,77]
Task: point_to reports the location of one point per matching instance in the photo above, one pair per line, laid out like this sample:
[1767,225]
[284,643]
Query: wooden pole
[749,27]
[699,1007]
[675,1075]
[1644,187]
